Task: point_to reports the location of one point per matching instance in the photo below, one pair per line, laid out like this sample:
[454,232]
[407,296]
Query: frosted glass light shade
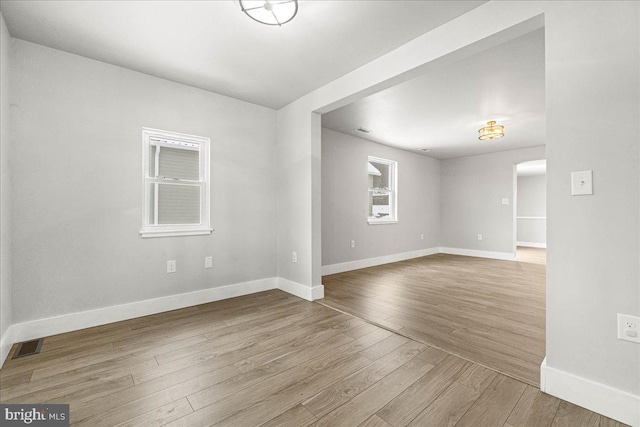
[270,12]
[491,131]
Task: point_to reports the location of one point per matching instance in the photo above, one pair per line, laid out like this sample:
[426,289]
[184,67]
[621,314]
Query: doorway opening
[531,212]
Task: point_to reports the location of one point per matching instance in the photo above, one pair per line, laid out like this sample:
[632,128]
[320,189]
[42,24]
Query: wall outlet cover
[171,266]
[629,328]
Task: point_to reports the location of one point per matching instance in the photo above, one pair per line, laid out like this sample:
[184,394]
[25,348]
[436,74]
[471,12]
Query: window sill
[175,233]
[370,222]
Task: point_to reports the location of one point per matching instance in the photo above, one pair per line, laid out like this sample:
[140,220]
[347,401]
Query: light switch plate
[582,183]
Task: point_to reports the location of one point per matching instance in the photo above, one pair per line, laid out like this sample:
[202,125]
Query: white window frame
[393,193]
[155,137]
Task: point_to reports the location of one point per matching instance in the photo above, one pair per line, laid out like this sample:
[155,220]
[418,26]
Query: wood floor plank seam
[348,370]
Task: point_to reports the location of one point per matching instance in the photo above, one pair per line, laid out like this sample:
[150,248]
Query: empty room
[320,213]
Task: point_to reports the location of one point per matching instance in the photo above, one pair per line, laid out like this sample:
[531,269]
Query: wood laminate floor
[270,359]
[488,311]
[534,255]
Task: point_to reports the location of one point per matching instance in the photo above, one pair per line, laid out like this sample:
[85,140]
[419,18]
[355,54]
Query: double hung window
[175,184]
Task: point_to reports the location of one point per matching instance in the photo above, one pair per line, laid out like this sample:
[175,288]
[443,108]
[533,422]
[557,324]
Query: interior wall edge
[372,262]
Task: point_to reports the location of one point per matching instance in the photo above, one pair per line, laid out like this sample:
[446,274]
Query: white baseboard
[597,397]
[302,291]
[371,262]
[6,341]
[33,329]
[532,244]
[507,256]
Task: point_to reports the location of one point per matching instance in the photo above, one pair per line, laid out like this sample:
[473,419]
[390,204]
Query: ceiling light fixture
[491,131]
[270,12]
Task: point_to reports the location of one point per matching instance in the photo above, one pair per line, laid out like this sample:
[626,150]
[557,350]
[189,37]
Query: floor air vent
[28,348]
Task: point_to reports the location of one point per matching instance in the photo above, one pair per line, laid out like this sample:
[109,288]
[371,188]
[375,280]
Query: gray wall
[345,200]
[77,186]
[5,208]
[532,202]
[472,191]
[592,76]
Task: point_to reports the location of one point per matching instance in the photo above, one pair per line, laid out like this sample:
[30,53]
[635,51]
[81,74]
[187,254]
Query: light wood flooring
[270,359]
[488,311]
[534,255]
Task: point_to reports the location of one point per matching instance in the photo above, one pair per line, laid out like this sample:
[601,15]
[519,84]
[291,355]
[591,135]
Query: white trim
[597,397]
[531,217]
[507,256]
[299,290]
[532,244]
[161,233]
[371,262]
[203,143]
[86,319]
[380,222]
[6,341]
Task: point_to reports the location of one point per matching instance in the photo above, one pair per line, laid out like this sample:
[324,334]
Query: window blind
[177,163]
[178,204]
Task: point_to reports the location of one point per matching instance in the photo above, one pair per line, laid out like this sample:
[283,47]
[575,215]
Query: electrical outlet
[422,237]
[505,201]
[353,244]
[629,328]
[208,262]
[171,266]
[479,236]
[294,256]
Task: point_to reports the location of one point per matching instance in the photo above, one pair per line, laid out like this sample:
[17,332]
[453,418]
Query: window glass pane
[179,163]
[379,180]
[152,203]
[178,204]
[379,206]
[152,161]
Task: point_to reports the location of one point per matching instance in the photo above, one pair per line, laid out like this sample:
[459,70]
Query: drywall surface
[532,209]
[471,199]
[345,201]
[77,186]
[5,201]
[593,76]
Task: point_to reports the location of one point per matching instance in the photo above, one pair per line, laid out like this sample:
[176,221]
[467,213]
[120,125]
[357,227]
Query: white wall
[593,76]
[531,206]
[471,199]
[344,201]
[592,64]
[5,201]
[77,186]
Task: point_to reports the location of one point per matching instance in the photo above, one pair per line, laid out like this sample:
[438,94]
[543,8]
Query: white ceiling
[214,46]
[443,109]
[535,167]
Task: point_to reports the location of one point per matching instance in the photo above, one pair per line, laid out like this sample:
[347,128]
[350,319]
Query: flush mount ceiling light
[491,131]
[270,12]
